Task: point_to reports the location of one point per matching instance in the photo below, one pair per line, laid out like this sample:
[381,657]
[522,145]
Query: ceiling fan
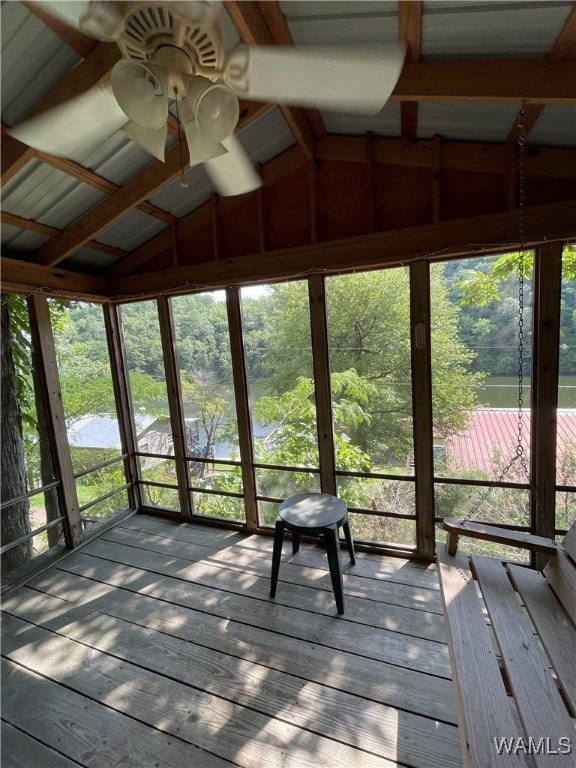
[174,52]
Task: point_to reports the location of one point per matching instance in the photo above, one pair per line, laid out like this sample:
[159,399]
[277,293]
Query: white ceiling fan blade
[70,12]
[233,173]
[101,19]
[343,78]
[153,141]
[75,127]
[195,11]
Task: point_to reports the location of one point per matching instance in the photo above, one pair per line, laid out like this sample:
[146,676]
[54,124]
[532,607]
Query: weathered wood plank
[540,706]
[570,542]
[219,725]
[235,558]
[561,575]
[372,679]
[423,627]
[478,686]
[208,683]
[385,645]
[22,751]
[92,734]
[397,569]
[555,629]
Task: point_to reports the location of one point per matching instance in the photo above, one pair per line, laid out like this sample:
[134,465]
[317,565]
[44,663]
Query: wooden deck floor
[157,645]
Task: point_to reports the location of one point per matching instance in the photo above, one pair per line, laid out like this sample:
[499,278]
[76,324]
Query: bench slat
[472,530]
[479,690]
[570,542]
[555,629]
[561,575]
[542,711]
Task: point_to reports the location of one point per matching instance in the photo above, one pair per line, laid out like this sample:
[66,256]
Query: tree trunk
[15,519]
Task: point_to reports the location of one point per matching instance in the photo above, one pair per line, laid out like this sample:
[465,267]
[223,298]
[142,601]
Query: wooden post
[313,201]
[121,385]
[545,353]
[261,214]
[215,221]
[242,406]
[321,363]
[174,402]
[436,178]
[175,244]
[43,340]
[422,407]
[371,195]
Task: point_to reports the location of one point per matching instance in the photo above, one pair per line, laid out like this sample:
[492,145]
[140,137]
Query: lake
[502,392]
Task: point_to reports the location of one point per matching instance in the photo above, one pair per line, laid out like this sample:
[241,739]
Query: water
[502,392]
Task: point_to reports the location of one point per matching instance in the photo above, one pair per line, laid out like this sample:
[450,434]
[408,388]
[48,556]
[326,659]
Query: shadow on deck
[157,645]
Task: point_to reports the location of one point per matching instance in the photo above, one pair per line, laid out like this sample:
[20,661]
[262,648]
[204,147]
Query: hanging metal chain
[519,454]
[522,138]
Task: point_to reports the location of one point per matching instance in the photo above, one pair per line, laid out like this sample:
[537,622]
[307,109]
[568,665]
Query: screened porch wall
[238,478]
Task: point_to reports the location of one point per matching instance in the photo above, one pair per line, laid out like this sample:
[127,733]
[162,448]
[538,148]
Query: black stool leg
[295,541]
[276,555]
[349,541]
[332,550]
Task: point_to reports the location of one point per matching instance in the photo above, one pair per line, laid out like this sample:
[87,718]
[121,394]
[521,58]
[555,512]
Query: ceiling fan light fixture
[141,91]
[153,141]
[214,107]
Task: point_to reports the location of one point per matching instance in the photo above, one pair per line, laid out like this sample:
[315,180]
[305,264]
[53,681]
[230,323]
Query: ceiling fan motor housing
[193,34]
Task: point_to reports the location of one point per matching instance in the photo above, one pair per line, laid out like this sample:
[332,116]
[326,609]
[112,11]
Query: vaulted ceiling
[438,170]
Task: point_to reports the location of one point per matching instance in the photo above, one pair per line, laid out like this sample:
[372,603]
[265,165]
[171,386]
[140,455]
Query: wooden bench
[512,642]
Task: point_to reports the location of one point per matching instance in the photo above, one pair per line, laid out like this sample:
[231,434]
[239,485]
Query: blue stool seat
[314,514]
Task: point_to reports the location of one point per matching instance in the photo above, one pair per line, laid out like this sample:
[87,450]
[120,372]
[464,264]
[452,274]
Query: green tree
[369,332]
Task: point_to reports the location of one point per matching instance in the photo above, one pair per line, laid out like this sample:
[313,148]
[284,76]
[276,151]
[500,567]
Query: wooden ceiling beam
[24,277]
[275,170]
[564,48]
[473,157]
[461,237]
[87,176]
[410,32]
[132,195]
[264,24]
[31,225]
[149,181]
[14,156]
[468,157]
[488,81]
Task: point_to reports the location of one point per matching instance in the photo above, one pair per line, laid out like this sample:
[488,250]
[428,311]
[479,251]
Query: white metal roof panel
[33,59]
[89,260]
[14,239]
[338,23]
[267,137]
[263,139]
[47,195]
[466,121]
[477,29]
[131,231]
[556,125]
[180,201]
[385,123]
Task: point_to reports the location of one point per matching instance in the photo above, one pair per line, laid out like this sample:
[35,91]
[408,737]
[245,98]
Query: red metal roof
[490,441]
